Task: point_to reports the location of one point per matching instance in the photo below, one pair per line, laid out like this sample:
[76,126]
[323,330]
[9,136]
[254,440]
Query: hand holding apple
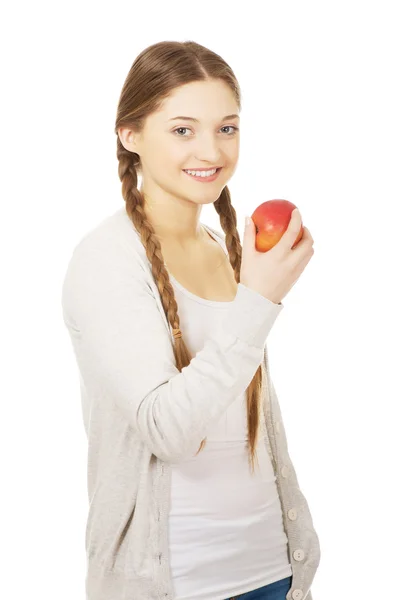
[286,248]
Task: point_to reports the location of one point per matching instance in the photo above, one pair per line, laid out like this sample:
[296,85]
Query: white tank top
[226,534]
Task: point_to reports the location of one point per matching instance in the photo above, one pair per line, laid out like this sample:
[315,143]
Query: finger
[307,235]
[289,237]
[249,234]
[303,263]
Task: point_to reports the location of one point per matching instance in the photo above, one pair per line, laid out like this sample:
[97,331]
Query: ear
[129,139]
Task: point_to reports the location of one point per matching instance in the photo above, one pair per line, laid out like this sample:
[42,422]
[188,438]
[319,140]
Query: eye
[180,129]
[235,129]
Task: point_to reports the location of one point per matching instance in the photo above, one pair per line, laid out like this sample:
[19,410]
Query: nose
[208,150]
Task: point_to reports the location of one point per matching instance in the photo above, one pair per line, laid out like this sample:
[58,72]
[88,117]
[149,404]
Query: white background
[319,127]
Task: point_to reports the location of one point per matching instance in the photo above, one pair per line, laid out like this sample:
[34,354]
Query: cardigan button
[297,594]
[292,514]
[298,554]
[285,471]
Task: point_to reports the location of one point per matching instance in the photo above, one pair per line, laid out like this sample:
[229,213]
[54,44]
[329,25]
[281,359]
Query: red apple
[271,219]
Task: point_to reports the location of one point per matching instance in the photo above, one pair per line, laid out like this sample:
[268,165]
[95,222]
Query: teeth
[202,173]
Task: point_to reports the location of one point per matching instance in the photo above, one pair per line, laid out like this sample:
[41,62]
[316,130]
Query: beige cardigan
[141,413]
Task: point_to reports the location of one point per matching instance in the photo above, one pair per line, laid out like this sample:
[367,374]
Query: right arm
[125,348]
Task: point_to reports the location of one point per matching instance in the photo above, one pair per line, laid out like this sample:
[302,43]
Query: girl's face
[168,145]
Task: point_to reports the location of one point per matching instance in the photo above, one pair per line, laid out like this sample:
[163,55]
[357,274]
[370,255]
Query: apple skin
[271,219]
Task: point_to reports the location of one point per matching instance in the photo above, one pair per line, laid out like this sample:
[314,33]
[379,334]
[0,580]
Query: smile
[204,176]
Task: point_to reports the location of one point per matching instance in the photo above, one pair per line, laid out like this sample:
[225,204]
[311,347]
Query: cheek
[234,151]
[173,158]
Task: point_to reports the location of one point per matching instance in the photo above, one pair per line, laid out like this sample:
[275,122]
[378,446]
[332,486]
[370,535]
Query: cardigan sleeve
[123,347]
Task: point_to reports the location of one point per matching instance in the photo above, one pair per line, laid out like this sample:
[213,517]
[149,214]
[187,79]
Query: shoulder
[114,238]
[110,253]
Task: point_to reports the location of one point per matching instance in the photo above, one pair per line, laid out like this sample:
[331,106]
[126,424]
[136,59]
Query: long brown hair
[155,73]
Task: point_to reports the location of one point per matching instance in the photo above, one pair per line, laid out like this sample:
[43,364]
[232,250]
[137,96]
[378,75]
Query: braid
[135,209]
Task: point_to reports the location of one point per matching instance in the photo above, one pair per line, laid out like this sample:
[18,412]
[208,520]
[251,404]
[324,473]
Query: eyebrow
[197,121]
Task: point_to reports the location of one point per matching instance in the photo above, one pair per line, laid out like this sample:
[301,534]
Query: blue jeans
[273,591]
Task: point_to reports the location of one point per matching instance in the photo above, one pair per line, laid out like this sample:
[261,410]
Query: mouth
[203,178]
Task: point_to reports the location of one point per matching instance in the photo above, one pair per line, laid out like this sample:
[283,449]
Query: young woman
[169,321]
